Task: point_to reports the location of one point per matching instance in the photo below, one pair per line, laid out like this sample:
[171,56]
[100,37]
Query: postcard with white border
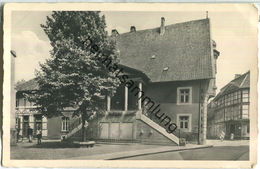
[146,85]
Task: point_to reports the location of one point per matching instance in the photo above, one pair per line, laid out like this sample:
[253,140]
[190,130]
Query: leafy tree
[74,76]
[20,82]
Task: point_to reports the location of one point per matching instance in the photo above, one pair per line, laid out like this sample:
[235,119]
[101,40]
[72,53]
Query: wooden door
[104,130]
[126,131]
[114,131]
[25,126]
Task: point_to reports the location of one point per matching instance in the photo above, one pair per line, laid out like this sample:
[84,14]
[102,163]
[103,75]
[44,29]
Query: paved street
[228,142]
[58,150]
[227,150]
[222,150]
[214,153]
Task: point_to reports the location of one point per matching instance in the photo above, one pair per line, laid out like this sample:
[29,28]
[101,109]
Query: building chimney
[237,75]
[132,29]
[162,28]
[114,32]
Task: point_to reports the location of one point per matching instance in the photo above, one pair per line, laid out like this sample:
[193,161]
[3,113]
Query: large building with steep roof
[174,66]
[229,110]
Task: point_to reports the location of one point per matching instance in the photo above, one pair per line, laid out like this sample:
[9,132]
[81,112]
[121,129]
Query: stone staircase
[75,126]
[74,131]
[158,128]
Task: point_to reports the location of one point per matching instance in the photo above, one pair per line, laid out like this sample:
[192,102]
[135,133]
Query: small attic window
[166,68]
[153,57]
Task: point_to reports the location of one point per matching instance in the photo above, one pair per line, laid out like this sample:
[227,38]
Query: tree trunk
[83,138]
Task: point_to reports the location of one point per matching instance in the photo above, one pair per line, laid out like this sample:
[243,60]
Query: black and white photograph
[145,85]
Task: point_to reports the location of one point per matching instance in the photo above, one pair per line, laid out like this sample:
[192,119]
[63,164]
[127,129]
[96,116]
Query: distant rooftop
[240,82]
[28,85]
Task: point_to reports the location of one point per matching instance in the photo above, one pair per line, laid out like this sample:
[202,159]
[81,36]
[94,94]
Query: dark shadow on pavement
[53,145]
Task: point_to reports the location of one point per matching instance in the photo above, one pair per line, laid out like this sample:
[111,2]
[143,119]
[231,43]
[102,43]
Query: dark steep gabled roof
[183,52]
[240,82]
[184,49]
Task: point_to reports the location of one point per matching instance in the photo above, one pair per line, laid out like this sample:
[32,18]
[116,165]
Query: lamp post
[13,131]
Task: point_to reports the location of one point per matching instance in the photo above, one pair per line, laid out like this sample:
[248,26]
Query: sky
[232,31]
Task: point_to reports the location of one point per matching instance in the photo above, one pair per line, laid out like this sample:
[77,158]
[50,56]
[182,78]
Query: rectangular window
[38,118]
[239,96]
[26,119]
[231,113]
[20,102]
[236,112]
[245,111]
[65,124]
[245,94]
[226,99]
[17,123]
[239,110]
[184,95]
[227,114]
[222,115]
[229,99]
[24,102]
[184,122]
[235,98]
[17,102]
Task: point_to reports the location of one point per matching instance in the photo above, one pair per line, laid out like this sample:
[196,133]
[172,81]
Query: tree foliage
[74,76]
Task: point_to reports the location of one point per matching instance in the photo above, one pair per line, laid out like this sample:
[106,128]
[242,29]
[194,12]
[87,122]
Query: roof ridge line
[243,80]
[240,76]
[165,26]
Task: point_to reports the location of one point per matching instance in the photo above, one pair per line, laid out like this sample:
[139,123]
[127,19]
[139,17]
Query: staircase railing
[75,122]
[151,116]
[160,129]
[74,127]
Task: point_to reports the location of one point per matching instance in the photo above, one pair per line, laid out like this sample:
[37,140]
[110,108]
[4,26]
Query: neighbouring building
[26,114]
[173,65]
[229,110]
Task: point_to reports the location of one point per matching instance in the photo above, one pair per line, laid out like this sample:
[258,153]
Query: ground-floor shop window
[37,122]
[25,126]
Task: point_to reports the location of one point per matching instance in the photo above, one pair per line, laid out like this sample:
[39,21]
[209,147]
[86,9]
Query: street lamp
[12,113]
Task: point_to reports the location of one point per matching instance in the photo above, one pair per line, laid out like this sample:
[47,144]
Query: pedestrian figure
[30,133]
[222,135]
[17,134]
[39,135]
[232,136]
